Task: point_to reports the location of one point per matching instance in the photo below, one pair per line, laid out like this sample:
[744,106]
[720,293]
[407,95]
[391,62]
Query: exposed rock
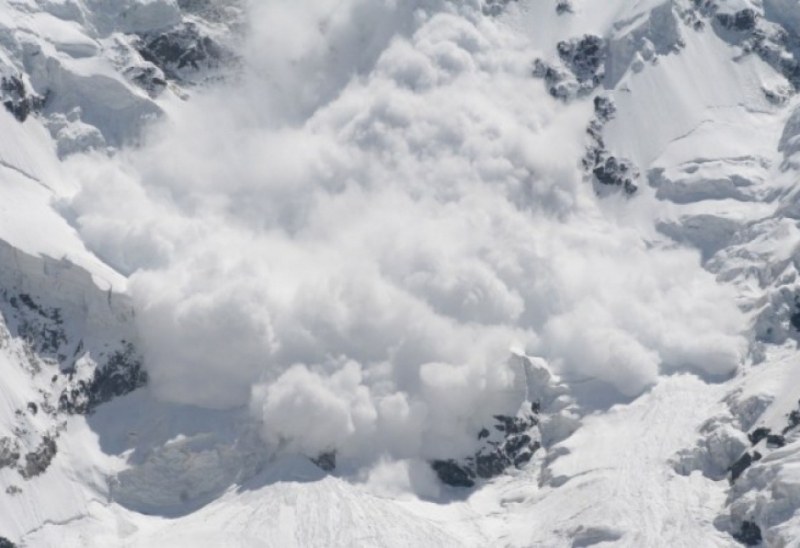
[583,70]
[793,420]
[758,434]
[5,543]
[16,98]
[605,168]
[775,441]
[748,534]
[584,57]
[612,171]
[744,462]
[36,462]
[452,473]
[326,461]
[512,444]
[741,21]
[122,374]
[563,6]
[604,108]
[181,49]
[9,452]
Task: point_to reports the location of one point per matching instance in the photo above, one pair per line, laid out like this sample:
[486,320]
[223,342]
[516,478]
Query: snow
[360,244]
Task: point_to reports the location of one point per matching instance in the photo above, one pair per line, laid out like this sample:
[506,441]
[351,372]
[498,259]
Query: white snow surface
[375,236]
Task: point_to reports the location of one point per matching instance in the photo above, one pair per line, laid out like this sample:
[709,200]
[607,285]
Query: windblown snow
[382,273]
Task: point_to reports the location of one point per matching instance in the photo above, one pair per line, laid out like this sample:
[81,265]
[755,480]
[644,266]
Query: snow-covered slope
[376,273]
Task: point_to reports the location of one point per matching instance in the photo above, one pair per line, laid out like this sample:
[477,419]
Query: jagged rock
[36,462]
[17,100]
[604,108]
[794,319]
[515,447]
[748,534]
[122,374]
[744,462]
[451,473]
[5,543]
[584,57]
[758,434]
[556,80]
[181,49]
[612,171]
[775,441]
[563,6]
[42,327]
[9,452]
[741,21]
[326,461]
[794,420]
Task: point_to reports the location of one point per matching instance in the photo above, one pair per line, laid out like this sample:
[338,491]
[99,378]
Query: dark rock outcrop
[744,462]
[180,50]
[510,444]
[36,462]
[9,452]
[326,461]
[604,167]
[583,69]
[749,534]
[452,473]
[793,420]
[584,57]
[120,375]
[17,100]
[741,21]
[563,6]
[758,434]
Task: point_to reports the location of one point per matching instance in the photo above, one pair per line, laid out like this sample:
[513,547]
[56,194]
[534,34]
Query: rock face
[37,461]
[749,534]
[585,57]
[741,21]
[326,461]
[599,163]
[181,51]
[543,419]
[512,441]
[17,99]
[582,68]
[121,374]
[73,342]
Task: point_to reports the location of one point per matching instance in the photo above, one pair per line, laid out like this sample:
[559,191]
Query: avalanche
[379,273]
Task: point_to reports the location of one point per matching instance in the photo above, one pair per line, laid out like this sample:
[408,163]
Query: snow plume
[352,239]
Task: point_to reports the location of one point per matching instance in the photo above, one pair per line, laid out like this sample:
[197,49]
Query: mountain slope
[506,273]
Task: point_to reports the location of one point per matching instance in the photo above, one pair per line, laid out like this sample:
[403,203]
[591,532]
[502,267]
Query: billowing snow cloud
[353,238]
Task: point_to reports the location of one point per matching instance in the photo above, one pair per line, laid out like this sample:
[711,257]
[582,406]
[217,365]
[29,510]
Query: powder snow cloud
[353,238]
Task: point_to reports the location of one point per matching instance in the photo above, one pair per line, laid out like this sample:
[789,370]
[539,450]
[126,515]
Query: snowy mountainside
[428,273]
